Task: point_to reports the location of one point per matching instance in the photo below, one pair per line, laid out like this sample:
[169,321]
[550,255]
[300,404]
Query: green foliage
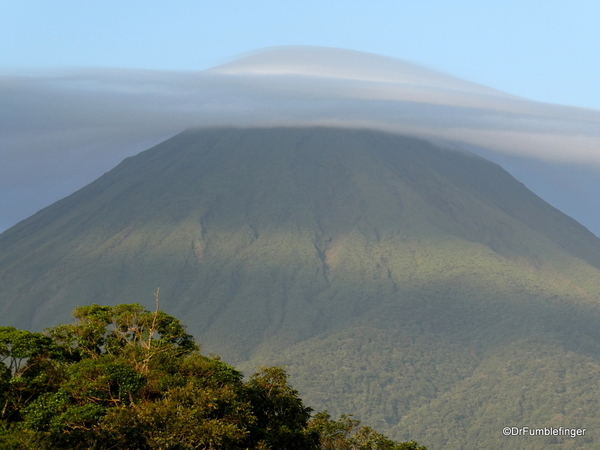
[347,434]
[282,418]
[23,350]
[25,369]
[125,378]
[123,330]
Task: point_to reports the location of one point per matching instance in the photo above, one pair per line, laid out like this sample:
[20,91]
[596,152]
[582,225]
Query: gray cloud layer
[59,131]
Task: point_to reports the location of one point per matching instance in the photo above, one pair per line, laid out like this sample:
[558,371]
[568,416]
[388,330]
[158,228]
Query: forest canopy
[123,377]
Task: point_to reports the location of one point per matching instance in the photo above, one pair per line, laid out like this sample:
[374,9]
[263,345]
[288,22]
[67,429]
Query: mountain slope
[394,277]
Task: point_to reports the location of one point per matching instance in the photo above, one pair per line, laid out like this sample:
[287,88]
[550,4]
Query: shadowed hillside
[424,288]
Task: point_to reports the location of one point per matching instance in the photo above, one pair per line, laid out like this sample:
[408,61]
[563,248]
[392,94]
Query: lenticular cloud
[294,86]
[65,129]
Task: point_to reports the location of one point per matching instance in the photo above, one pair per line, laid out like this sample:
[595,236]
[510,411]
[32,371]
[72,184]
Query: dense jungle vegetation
[123,377]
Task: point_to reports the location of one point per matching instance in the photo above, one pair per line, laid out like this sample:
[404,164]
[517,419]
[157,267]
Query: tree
[25,370]
[281,416]
[122,377]
[123,330]
[347,434]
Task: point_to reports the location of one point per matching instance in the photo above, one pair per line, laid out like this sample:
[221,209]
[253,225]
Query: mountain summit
[421,286]
[100,116]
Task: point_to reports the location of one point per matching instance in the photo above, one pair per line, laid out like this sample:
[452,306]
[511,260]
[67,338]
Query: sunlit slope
[393,276]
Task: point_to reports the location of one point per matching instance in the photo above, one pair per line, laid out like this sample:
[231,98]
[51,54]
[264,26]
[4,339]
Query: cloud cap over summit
[61,130]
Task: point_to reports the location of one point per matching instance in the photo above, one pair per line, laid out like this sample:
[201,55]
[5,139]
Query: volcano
[419,285]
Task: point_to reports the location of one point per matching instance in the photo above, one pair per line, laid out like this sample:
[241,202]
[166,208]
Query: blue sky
[543,50]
